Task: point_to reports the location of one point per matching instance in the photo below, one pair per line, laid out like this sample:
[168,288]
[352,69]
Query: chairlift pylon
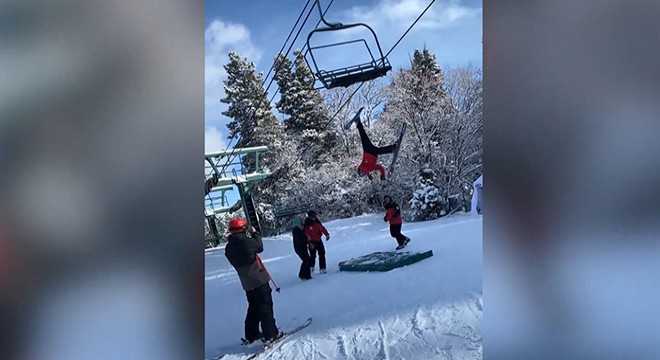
[346,76]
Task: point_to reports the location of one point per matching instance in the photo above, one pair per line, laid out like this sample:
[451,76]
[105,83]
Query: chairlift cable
[231,155]
[301,49]
[289,49]
[411,26]
[288,37]
[362,83]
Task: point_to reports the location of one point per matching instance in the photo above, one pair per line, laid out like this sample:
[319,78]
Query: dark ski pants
[370,148]
[305,271]
[320,248]
[260,311]
[395,231]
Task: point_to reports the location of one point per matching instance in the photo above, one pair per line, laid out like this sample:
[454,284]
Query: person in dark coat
[393,215]
[314,230]
[241,251]
[300,244]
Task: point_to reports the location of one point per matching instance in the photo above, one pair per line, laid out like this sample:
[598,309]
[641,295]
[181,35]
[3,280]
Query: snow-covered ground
[428,310]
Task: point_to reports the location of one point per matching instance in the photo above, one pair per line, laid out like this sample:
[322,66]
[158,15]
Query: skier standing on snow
[300,244]
[241,251]
[370,151]
[393,215]
[314,229]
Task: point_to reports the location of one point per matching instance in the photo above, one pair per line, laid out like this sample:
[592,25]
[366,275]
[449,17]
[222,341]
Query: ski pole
[261,264]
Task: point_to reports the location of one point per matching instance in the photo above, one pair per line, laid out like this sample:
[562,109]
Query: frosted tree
[254,124]
[444,116]
[461,139]
[417,96]
[253,121]
[426,202]
[308,122]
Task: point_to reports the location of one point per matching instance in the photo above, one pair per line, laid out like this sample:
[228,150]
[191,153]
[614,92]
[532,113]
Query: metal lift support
[222,176]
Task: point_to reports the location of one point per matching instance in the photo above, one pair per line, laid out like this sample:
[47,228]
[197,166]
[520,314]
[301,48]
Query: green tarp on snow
[383,261]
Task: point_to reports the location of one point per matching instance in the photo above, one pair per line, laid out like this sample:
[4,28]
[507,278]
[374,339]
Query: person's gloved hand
[385,218]
[327,238]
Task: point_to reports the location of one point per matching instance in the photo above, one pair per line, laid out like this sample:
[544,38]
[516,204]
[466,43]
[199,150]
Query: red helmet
[237,225]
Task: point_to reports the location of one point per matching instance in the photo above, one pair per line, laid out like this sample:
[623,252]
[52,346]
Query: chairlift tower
[226,169]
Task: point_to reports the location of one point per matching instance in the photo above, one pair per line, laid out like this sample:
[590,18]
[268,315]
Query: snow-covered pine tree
[285,81]
[308,122]
[426,203]
[417,96]
[240,87]
[254,123]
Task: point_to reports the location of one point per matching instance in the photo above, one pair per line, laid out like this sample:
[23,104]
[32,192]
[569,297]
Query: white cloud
[399,14]
[214,140]
[450,28]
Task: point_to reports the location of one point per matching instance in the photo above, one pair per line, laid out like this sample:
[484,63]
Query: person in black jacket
[300,243]
[241,251]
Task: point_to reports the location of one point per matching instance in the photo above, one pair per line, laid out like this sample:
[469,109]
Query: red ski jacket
[393,214]
[314,230]
[369,164]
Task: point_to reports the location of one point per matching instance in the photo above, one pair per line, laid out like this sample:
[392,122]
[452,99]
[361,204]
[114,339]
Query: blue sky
[257,29]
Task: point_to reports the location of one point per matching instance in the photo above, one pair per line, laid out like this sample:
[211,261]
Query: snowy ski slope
[428,310]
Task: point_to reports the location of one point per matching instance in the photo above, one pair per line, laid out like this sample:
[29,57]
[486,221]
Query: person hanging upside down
[370,151]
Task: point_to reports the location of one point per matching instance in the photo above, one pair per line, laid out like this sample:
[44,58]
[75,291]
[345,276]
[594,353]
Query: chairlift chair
[346,76]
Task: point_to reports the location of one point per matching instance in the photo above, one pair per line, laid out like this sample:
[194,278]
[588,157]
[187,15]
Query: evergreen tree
[424,62]
[253,121]
[426,202]
[285,81]
[308,121]
[417,97]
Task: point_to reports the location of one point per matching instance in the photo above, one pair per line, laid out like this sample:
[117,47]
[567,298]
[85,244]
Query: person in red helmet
[393,215]
[314,230]
[370,151]
[241,251]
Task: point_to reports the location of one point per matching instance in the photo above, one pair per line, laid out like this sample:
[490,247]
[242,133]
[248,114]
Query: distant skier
[300,245]
[241,251]
[393,215]
[478,185]
[370,151]
[314,229]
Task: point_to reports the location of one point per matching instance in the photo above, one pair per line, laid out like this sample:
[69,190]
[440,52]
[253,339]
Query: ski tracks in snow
[449,331]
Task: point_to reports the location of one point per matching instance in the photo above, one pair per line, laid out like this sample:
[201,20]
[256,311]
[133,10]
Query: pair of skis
[269,345]
[395,154]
